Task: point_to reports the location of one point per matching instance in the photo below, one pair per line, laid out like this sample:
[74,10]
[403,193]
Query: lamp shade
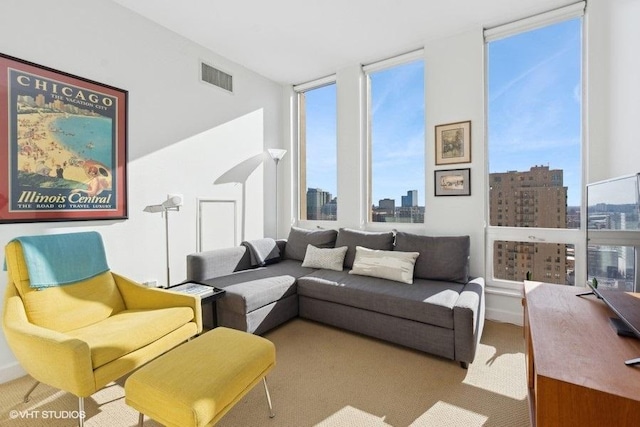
[154,208]
[172,202]
[276,153]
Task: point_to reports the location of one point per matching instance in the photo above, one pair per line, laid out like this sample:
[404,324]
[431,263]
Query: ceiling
[295,41]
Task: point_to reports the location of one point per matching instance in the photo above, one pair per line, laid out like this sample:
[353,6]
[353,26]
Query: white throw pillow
[328,258]
[392,265]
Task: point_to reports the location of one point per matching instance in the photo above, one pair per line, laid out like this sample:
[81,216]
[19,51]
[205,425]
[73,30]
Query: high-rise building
[316,199]
[410,200]
[534,198]
[387,205]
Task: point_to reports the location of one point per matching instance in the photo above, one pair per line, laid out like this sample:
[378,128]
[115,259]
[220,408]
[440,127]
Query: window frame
[367,70]
[299,91]
[576,237]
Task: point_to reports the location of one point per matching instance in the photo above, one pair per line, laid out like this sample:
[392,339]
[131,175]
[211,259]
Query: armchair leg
[28,395]
[81,411]
[266,391]
[140,419]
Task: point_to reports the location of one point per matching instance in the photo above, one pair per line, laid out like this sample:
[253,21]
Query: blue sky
[321,138]
[534,102]
[397,132]
[533,111]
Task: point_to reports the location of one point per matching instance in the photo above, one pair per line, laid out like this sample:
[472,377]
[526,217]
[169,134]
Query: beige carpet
[331,378]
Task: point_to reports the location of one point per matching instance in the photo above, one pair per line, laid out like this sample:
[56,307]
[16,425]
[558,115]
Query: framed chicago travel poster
[63,142]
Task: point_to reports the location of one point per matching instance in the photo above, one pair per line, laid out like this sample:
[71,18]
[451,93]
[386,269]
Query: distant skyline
[375,202]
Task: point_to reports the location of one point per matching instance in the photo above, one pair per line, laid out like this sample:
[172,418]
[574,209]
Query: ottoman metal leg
[81,412]
[266,391]
[140,419]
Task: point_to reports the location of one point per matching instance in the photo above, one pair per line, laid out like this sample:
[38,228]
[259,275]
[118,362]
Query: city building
[515,199]
[409,212]
[387,205]
[317,205]
[411,199]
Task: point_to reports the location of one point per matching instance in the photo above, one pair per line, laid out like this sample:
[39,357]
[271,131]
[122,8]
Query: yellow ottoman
[196,383]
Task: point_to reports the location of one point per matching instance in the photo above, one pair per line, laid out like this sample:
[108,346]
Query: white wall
[614,88]
[183,134]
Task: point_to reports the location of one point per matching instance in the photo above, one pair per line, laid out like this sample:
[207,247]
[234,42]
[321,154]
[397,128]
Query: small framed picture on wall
[453,182]
[453,143]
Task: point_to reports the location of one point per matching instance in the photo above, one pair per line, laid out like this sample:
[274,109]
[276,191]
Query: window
[318,152]
[396,140]
[534,129]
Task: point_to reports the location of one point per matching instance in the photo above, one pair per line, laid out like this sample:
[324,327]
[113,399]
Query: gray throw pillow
[367,239]
[299,238]
[441,258]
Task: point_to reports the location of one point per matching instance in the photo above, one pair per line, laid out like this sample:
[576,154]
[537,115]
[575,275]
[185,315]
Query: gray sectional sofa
[431,305]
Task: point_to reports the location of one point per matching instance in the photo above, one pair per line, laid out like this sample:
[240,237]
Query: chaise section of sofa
[257,298]
[440,310]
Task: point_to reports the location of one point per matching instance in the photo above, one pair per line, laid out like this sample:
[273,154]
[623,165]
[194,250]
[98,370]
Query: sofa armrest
[218,262]
[49,356]
[468,320]
[136,295]
[282,243]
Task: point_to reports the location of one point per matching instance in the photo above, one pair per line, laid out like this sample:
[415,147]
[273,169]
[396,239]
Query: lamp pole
[166,242]
[277,160]
[277,154]
[172,203]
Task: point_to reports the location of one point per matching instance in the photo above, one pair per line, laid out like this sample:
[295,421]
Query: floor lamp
[172,203]
[277,154]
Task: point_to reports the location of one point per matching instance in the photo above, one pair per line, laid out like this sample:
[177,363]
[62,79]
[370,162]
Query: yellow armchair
[81,336]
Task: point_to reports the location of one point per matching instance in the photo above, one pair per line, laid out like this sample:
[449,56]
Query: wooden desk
[575,361]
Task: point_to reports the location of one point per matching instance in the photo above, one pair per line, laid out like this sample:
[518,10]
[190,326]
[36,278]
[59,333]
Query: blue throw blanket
[60,259]
[263,251]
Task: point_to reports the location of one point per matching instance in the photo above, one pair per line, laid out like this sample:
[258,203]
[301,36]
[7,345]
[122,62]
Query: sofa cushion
[425,301]
[249,290]
[130,330]
[392,265]
[329,258]
[299,238]
[441,258]
[367,239]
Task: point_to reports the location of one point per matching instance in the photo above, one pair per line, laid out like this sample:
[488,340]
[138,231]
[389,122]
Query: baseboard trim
[504,316]
[11,371]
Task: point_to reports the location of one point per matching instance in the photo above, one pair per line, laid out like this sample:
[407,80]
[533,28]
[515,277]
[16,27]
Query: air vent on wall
[216,77]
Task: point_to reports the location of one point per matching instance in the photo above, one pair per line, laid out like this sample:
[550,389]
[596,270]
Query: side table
[207,293]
